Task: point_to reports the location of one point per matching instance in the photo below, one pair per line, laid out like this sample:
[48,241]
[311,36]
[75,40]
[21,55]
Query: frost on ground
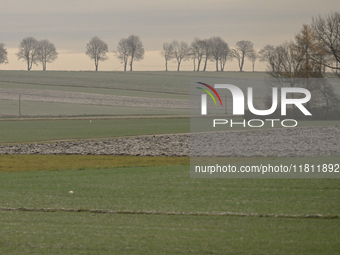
[289,142]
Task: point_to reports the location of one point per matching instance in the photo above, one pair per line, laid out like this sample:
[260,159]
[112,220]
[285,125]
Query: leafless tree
[96,49]
[242,50]
[3,54]
[267,54]
[181,52]
[207,52]
[28,51]
[326,96]
[225,55]
[193,56]
[327,29]
[136,49]
[310,49]
[167,53]
[46,52]
[253,56]
[216,45]
[122,52]
[198,51]
[285,61]
[335,63]
[291,62]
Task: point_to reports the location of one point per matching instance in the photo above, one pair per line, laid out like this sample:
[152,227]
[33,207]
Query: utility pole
[19,106]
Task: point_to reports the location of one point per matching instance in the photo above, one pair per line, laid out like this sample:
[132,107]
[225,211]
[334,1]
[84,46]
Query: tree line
[314,48]
[42,52]
[32,52]
[214,49]
[320,45]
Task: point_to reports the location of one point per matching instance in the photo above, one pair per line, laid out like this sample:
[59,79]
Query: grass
[19,163]
[161,82]
[94,90]
[39,109]
[45,130]
[77,233]
[138,84]
[164,189]
[168,189]
[156,184]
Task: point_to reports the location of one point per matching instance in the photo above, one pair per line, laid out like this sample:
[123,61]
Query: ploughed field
[288,142]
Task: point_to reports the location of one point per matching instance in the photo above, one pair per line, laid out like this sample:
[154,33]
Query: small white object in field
[90,121]
[70,192]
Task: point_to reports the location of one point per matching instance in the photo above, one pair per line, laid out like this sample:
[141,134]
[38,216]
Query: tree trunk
[222,63]
[241,65]
[125,63]
[205,64]
[216,65]
[179,63]
[253,66]
[198,64]
[166,65]
[96,67]
[131,65]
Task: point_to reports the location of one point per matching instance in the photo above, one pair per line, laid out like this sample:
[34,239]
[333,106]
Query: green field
[163,85]
[156,210]
[160,82]
[58,129]
[167,85]
[145,205]
[77,233]
[46,109]
[46,130]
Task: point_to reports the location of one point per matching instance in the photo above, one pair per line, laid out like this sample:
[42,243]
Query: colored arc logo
[208,92]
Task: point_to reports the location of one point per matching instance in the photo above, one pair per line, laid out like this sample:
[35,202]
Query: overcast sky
[70,24]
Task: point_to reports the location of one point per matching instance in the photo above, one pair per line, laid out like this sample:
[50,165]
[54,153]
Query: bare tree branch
[122,52]
[46,52]
[243,48]
[253,56]
[96,49]
[207,52]
[181,52]
[267,54]
[135,49]
[198,49]
[167,53]
[3,54]
[327,29]
[218,48]
[28,51]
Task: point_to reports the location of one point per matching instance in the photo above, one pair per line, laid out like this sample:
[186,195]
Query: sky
[70,24]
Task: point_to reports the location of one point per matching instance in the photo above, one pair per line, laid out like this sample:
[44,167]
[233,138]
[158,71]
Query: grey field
[297,142]
[64,93]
